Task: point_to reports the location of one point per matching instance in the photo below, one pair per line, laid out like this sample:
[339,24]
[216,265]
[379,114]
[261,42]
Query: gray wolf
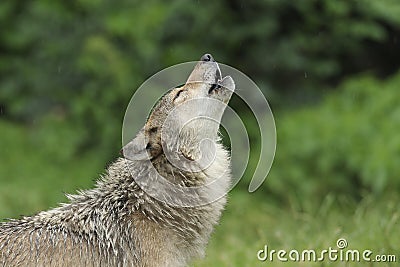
[131,218]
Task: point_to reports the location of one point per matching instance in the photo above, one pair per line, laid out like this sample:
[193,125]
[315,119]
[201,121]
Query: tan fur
[120,222]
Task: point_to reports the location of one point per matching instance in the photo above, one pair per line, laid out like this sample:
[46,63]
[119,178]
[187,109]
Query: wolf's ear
[136,149]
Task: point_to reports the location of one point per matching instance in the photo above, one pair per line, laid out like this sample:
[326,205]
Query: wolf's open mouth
[208,72]
[213,87]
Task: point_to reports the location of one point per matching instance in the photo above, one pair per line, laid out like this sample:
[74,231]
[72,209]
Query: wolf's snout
[207,58]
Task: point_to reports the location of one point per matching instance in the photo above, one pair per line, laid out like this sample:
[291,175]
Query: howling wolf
[156,205]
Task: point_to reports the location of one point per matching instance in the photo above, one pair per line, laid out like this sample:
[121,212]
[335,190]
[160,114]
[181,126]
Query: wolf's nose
[207,57]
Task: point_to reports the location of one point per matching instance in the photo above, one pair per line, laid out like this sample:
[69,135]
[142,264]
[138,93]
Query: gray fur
[118,223]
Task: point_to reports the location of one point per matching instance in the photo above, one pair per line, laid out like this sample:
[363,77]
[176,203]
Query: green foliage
[37,168]
[347,145]
[85,58]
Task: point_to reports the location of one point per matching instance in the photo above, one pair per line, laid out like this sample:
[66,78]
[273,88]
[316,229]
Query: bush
[346,145]
[85,58]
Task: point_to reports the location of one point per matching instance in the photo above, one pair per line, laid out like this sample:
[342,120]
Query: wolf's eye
[178,94]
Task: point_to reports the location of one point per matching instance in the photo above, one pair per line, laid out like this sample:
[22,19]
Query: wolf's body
[118,223]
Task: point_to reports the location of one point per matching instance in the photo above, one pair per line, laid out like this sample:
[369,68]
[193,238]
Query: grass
[31,181]
[251,222]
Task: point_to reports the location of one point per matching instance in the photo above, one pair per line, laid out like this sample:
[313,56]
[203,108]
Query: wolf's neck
[118,196]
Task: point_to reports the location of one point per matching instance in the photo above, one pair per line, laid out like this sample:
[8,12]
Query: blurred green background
[330,69]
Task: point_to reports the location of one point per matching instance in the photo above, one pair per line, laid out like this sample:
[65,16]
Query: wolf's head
[183,125]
